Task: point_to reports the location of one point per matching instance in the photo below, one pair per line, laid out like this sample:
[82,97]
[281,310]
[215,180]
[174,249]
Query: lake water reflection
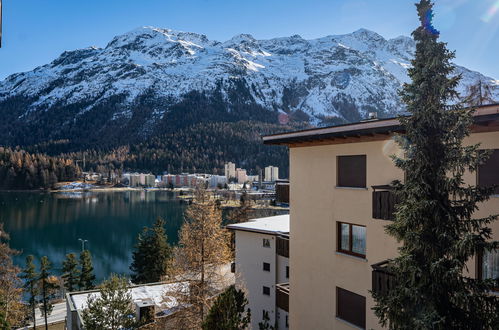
[51,223]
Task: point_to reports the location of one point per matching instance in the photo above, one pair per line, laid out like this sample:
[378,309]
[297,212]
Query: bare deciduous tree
[202,258]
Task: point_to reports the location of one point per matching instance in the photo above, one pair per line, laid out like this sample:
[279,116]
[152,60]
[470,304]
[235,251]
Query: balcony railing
[282,296]
[382,279]
[384,201]
[282,246]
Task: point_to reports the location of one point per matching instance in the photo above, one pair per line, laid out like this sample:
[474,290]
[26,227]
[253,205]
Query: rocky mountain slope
[152,80]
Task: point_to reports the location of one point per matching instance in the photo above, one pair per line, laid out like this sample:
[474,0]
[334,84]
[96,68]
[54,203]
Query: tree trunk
[44,295]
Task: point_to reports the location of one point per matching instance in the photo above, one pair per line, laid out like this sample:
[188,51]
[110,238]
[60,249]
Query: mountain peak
[154,72]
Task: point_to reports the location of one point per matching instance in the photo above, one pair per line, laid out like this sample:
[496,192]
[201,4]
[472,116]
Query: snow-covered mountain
[152,78]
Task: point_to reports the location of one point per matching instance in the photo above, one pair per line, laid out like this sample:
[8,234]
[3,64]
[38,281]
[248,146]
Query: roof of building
[373,129]
[154,293]
[270,225]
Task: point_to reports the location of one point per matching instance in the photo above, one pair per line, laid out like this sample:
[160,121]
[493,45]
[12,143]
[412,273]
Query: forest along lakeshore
[105,223]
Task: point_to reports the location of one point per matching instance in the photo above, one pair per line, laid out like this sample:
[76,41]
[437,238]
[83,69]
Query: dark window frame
[478,179]
[350,239]
[287,271]
[268,267]
[266,288]
[340,178]
[362,322]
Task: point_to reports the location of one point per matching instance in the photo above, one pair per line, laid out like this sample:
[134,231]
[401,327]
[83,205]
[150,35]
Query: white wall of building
[250,256]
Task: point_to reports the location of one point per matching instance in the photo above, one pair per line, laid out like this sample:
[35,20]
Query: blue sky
[35,32]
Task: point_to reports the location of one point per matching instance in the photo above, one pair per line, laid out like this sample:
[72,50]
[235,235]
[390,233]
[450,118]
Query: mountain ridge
[151,80]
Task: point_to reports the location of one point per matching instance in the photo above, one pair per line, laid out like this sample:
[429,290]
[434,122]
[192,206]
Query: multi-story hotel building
[262,267]
[341,202]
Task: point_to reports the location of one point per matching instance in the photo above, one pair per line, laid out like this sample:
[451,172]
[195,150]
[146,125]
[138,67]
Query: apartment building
[241,175]
[262,267]
[271,173]
[340,203]
[230,170]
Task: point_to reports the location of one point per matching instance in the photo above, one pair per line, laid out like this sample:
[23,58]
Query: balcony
[382,279]
[384,201]
[282,296]
[282,245]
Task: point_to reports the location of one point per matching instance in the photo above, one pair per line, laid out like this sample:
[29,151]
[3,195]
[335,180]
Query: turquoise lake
[50,224]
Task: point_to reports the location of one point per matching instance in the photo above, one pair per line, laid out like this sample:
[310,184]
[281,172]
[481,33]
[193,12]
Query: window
[266,290]
[287,322]
[266,243]
[351,171]
[287,271]
[352,239]
[351,307]
[488,265]
[266,266]
[488,173]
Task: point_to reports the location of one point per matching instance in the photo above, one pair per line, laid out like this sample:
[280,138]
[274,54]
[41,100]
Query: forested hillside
[22,170]
[203,147]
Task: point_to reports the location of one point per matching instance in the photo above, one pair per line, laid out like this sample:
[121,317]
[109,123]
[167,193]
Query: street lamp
[83,241]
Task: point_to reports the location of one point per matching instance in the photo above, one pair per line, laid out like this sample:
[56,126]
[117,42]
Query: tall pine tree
[229,311]
[87,277]
[152,255]
[70,273]
[112,309]
[48,285]
[434,220]
[30,277]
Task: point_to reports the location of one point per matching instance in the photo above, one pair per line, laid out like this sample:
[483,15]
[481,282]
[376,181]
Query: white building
[241,175]
[262,267]
[216,180]
[253,178]
[146,298]
[230,170]
[271,173]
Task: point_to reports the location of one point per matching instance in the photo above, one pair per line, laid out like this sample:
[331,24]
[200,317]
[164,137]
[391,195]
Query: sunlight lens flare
[491,12]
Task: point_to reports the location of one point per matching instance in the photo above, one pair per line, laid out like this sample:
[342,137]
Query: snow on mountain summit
[338,77]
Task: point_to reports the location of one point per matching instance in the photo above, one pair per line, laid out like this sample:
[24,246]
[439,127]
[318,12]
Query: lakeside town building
[341,201]
[262,267]
[230,170]
[271,173]
[241,175]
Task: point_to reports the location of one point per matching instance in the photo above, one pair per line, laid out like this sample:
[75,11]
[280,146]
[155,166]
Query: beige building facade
[335,238]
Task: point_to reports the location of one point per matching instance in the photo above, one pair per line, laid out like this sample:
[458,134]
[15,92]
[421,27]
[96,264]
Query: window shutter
[351,307]
[352,171]
[488,173]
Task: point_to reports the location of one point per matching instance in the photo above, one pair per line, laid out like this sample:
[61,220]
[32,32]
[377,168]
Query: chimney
[372,115]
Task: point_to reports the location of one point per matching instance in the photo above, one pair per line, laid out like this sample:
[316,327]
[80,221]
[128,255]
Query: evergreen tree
[70,273]
[152,255]
[228,311]
[30,277]
[87,276]
[48,285]
[112,309]
[265,324]
[434,218]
